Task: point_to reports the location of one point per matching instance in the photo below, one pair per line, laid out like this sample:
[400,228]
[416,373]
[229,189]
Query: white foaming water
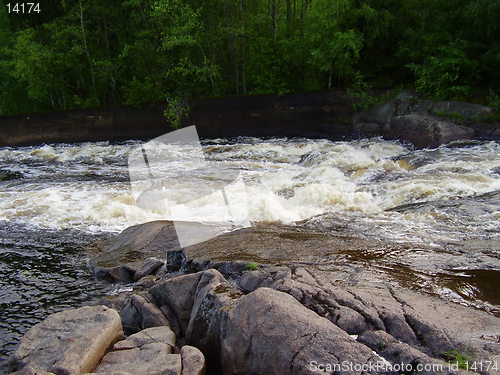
[86,187]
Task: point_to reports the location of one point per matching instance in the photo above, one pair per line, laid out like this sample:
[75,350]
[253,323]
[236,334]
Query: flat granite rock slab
[147,336]
[277,244]
[149,359]
[70,341]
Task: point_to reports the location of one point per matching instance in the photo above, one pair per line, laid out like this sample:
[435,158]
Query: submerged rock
[9,175]
[70,341]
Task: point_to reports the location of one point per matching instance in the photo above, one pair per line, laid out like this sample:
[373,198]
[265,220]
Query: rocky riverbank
[326,114]
[271,299]
[426,123]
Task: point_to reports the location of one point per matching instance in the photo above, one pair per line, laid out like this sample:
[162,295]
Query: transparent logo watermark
[170,175]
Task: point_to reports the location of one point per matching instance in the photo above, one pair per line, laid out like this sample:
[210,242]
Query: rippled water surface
[55,199]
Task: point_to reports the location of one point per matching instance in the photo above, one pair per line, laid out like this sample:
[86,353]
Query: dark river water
[56,199]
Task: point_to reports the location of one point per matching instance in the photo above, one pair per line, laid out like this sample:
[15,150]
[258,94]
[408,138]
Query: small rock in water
[9,175]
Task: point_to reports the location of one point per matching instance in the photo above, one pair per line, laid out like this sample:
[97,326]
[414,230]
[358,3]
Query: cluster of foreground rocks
[286,316]
[90,340]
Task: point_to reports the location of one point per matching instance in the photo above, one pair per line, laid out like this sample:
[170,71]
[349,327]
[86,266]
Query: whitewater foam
[86,186]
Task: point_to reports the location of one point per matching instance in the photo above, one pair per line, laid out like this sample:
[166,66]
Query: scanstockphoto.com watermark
[400,368]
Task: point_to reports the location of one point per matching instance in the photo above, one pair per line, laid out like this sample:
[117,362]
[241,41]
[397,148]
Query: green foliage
[336,32]
[176,110]
[454,116]
[361,93]
[455,356]
[252,266]
[95,52]
[494,101]
[447,74]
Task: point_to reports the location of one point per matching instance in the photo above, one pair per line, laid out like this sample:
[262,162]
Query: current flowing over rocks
[358,210]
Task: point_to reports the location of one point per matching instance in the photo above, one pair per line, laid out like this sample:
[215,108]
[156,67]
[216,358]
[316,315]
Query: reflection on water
[475,284]
[41,271]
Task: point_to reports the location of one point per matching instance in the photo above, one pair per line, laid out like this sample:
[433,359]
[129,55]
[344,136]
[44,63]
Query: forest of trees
[87,53]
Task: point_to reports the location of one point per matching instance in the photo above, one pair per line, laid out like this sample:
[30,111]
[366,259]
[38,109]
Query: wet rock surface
[269,332]
[309,300]
[464,271]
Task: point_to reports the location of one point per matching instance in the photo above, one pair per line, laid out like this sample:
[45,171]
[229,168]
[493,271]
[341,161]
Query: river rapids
[56,199]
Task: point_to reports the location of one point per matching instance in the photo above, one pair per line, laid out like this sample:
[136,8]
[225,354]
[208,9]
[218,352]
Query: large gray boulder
[194,304]
[423,323]
[215,298]
[426,131]
[147,336]
[70,341]
[175,298]
[270,332]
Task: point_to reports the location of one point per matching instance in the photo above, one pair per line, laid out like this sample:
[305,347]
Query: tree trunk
[110,72]
[233,53]
[289,18]
[274,15]
[87,53]
[243,44]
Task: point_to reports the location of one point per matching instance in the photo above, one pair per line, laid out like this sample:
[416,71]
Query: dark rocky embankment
[426,123]
[270,299]
[319,114]
[315,115]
